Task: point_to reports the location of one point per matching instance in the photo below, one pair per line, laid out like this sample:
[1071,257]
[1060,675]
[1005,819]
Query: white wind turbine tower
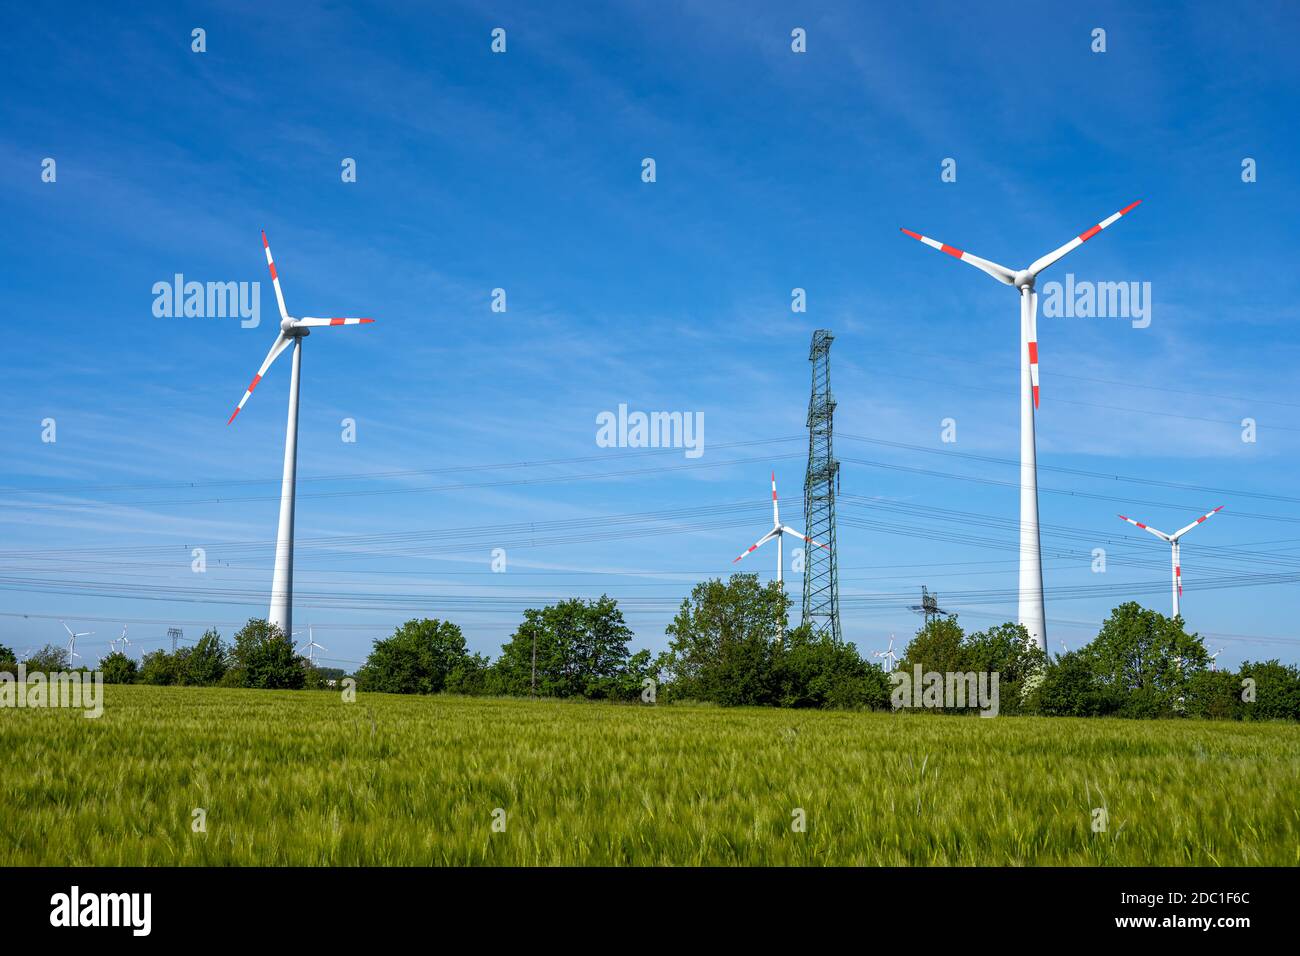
[72,641]
[1214,659]
[312,647]
[1175,549]
[292,332]
[888,654]
[1031,612]
[778,532]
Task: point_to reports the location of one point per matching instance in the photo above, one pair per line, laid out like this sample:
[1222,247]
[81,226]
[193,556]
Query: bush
[117,668]
[1068,688]
[264,657]
[160,668]
[1214,695]
[816,671]
[1277,691]
[418,659]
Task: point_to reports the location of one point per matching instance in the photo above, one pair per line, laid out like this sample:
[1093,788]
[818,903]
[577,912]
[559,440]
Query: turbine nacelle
[1024,278]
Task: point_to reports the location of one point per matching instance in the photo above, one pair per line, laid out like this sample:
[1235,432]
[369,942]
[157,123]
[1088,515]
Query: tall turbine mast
[1031,611]
[821,578]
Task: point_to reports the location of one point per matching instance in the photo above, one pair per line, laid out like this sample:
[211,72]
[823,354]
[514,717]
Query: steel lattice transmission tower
[821,576]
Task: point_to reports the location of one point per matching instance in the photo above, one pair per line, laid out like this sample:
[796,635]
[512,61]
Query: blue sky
[522,171]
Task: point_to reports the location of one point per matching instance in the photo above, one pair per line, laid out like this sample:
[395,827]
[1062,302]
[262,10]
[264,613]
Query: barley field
[303,778]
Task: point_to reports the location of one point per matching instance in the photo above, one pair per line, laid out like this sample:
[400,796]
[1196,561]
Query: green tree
[205,663]
[1068,688]
[937,646]
[47,660]
[1007,651]
[1147,657]
[818,671]
[8,660]
[724,642]
[418,659]
[1215,695]
[1277,690]
[469,676]
[159,667]
[117,668]
[581,651]
[263,657]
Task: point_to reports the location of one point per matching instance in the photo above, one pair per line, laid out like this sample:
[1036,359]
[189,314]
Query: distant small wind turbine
[312,647]
[888,654]
[1214,659]
[72,641]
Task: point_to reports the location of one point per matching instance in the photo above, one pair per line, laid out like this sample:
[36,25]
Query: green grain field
[303,778]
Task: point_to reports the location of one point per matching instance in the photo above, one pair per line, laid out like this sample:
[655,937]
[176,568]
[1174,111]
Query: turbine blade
[754,547]
[281,343]
[275,278]
[310,323]
[1042,263]
[1138,524]
[776,517]
[1178,534]
[66,628]
[798,534]
[1001,273]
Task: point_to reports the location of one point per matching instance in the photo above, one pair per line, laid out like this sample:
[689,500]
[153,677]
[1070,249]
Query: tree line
[731,644]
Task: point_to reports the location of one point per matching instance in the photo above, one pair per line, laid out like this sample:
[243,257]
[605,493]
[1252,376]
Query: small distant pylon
[821,587]
[175,633]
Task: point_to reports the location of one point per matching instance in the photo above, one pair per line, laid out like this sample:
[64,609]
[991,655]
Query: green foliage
[941,646]
[1214,695]
[813,671]
[205,663]
[937,646]
[8,660]
[264,657]
[49,659]
[419,658]
[160,668]
[723,643]
[117,668]
[1277,690]
[470,675]
[581,649]
[1069,688]
[1146,657]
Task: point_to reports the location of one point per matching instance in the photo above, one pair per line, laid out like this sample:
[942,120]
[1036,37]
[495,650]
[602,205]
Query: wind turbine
[778,532]
[122,640]
[126,644]
[72,641]
[292,332]
[888,654]
[312,647]
[1214,659]
[1175,549]
[1031,612]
